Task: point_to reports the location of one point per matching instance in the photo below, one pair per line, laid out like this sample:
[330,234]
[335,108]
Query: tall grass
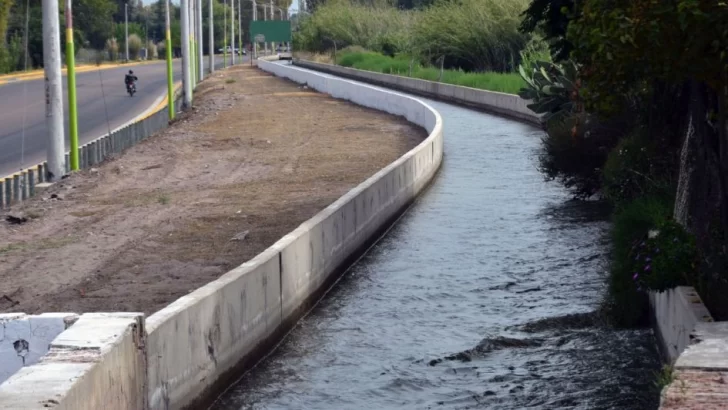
[475,35]
[400,65]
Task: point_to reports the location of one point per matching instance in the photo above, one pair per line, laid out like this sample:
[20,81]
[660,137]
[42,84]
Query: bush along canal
[482,296]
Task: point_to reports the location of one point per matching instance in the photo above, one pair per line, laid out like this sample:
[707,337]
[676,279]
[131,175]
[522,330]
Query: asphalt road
[102,102]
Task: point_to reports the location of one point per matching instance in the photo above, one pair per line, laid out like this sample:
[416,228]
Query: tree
[675,50]
[552,18]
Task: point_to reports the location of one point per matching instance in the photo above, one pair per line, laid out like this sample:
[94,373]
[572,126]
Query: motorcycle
[131,88]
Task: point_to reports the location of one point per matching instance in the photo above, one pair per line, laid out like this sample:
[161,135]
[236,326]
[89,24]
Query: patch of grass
[229,81]
[665,376]
[12,247]
[163,199]
[400,65]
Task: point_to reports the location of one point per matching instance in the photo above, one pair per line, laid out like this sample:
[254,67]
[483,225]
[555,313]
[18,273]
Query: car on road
[229,50]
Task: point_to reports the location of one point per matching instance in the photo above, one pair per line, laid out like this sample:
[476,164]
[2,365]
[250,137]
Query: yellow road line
[38,74]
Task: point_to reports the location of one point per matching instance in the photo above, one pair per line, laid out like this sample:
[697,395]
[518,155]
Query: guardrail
[23,185]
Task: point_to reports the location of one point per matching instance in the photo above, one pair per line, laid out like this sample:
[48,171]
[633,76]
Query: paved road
[22,109]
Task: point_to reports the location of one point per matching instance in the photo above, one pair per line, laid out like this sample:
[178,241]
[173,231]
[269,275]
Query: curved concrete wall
[509,105]
[196,341]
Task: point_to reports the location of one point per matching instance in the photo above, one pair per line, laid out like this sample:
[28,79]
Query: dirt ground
[255,158]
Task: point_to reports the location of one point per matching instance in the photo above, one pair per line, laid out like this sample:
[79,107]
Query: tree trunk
[701,204]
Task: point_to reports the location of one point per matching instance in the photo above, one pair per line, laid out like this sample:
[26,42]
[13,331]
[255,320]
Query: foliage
[663,259]
[646,39]
[625,304]
[112,48]
[152,50]
[552,18]
[161,50]
[552,89]
[400,65]
[135,45]
[473,35]
[638,166]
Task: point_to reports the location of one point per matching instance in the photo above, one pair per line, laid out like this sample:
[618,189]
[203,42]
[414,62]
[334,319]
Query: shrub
[162,50]
[625,303]
[112,48]
[151,50]
[135,45]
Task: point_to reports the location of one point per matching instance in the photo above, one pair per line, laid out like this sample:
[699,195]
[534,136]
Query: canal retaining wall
[196,344]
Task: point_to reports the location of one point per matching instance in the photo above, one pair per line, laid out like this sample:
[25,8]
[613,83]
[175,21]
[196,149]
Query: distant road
[22,109]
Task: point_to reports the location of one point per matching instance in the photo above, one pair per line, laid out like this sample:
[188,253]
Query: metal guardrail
[22,185]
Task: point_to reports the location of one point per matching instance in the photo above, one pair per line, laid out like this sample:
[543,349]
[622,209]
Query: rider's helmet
[131,72]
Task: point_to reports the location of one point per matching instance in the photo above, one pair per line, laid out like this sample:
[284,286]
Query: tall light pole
[200,54]
[240,29]
[211,39]
[265,18]
[168,51]
[71,79]
[185,37]
[252,40]
[53,90]
[126,29]
[232,31]
[224,34]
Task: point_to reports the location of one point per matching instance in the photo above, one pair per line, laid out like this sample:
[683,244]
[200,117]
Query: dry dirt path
[255,158]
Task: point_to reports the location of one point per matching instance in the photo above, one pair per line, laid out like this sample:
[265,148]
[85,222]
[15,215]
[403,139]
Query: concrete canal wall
[195,343]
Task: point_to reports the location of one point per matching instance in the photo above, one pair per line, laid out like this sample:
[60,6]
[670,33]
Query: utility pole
[71,78]
[211,40]
[252,40]
[193,54]
[200,51]
[265,18]
[232,31]
[168,50]
[224,35]
[240,30]
[53,90]
[126,29]
[186,66]
[272,17]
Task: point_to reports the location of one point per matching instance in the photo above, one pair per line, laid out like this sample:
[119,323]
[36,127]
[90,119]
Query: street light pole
[232,31]
[168,52]
[211,40]
[200,53]
[53,90]
[71,79]
[126,29]
[185,37]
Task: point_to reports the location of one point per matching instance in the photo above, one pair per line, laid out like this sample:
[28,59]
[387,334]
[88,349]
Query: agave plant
[552,89]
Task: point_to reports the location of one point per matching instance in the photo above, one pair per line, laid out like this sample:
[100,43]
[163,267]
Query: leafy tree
[552,18]
[668,53]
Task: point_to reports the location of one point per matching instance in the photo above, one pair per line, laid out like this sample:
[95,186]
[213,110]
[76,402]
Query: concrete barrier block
[98,363]
[24,339]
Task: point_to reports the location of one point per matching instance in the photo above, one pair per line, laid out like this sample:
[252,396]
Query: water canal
[478,298]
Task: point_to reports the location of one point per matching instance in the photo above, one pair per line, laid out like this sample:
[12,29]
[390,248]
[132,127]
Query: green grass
[501,82]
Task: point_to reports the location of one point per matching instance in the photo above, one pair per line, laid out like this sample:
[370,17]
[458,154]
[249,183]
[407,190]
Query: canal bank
[482,296]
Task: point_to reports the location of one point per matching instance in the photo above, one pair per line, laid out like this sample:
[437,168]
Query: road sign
[259,38]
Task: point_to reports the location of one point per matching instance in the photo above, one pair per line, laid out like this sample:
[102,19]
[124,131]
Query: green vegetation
[99,32]
[400,65]
[651,75]
[472,35]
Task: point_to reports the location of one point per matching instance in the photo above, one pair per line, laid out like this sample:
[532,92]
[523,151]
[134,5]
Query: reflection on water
[481,297]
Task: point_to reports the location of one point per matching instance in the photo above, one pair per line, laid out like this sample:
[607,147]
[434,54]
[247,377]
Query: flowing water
[480,297]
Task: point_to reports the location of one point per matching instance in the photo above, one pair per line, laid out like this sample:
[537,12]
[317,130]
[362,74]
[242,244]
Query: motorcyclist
[130,78]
